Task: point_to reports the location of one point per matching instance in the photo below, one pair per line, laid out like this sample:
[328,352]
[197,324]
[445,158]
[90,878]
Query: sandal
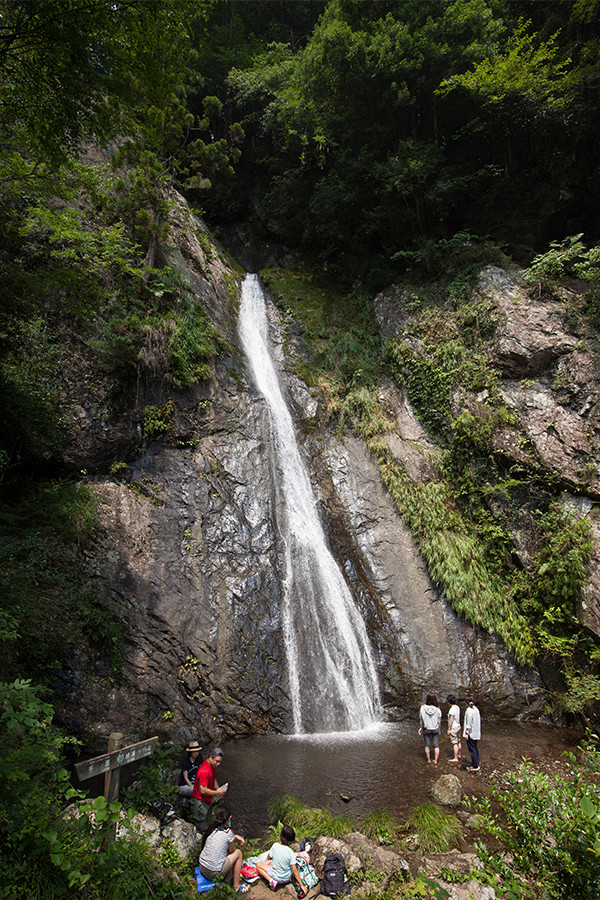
[243,889]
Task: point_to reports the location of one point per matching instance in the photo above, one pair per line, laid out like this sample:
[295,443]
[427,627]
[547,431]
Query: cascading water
[333,681]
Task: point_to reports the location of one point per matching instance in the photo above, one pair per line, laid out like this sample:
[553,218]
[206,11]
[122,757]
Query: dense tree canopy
[400,123]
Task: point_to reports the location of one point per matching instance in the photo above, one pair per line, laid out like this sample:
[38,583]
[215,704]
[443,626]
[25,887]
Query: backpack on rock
[335,876]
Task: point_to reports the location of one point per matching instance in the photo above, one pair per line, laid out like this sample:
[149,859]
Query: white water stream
[333,680]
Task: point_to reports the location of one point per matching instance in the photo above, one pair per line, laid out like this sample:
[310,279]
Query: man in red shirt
[206,790]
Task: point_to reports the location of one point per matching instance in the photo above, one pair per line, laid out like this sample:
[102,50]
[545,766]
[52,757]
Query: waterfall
[333,681]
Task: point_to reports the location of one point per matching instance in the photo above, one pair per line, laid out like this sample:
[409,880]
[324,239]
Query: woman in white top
[454,728]
[430,717]
[219,855]
[472,733]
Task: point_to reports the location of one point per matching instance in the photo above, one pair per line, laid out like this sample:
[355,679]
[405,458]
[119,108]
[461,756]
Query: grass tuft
[309,821]
[438,830]
[379,825]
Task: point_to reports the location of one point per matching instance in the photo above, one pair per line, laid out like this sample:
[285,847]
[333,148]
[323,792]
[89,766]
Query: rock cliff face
[550,380]
[190,557]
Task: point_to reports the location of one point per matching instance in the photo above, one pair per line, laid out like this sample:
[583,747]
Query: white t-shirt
[215,850]
[283,858]
[454,711]
[472,723]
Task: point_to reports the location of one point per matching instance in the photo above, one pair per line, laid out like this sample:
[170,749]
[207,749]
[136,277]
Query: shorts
[225,869]
[431,738]
[455,735]
[274,880]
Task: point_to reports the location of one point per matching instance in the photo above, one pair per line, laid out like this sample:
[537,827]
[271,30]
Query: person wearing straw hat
[189,767]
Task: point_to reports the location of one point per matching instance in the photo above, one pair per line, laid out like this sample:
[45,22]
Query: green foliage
[33,783]
[427,386]
[165,142]
[341,337]
[154,784]
[43,591]
[379,825]
[456,558]
[548,268]
[544,829]
[170,338]
[462,256]
[438,830]
[530,71]
[396,128]
[582,694]
[157,421]
[449,336]
[550,591]
[308,820]
[35,422]
[45,853]
[569,257]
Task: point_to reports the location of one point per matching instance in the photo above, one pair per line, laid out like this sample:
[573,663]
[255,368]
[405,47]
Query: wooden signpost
[110,763]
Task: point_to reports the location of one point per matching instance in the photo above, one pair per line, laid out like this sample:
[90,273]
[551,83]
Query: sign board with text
[102,764]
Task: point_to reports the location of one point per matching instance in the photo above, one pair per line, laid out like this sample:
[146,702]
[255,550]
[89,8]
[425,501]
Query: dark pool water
[381,768]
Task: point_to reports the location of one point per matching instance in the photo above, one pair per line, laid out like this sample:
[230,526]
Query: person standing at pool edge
[454,728]
[430,717]
[472,733]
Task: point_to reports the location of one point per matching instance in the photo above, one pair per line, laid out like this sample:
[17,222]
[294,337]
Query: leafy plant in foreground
[545,829]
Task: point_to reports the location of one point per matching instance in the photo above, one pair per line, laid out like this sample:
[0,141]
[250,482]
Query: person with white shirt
[454,728]
[219,856]
[472,732]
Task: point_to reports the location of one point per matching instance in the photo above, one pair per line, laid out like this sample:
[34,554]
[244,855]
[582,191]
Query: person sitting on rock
[189,767]
[280,865]
[219,857]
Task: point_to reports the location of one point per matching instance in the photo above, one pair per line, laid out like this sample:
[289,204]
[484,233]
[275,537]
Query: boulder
[447,790]
[530,335]
[183,836]
[462,864]
[143,826]
[324,845]
[374,856]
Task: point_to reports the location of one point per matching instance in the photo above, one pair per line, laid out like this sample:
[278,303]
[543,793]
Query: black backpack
[334,876]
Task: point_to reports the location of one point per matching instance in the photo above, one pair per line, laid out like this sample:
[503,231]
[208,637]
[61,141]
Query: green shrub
[45,855]
[438,830]
[544,829]
[456,558]
[43,587]
[309,821]
[157,421]
[35,424]
[379,825]
[154,784]
[547,268]
[166,334]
